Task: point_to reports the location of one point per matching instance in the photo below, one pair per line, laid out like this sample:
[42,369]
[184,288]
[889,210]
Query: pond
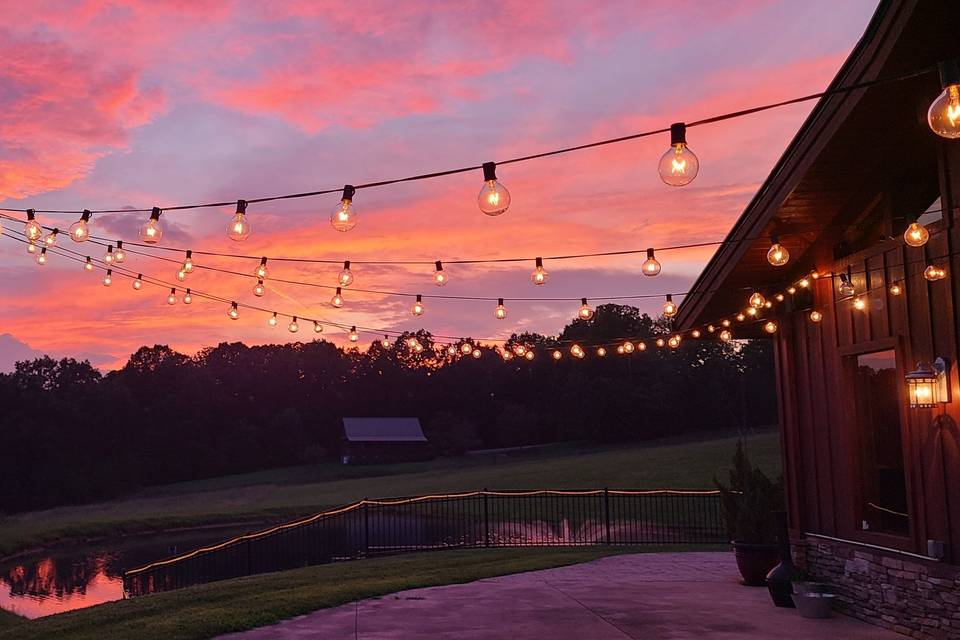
[78,577]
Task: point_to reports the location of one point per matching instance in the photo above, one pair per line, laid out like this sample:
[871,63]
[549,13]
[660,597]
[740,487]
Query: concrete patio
[668,596]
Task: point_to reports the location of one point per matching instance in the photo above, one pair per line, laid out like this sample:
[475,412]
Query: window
[882,476]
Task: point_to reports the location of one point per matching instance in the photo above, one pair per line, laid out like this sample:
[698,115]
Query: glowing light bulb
[238,229]
[577,351]
[778,254]
[601,352]
[31,248]
[187,297]
[385,343]
[138,283]
[520,350]
[439,277]
[585,311]
[188,262]
[172,298]
[752,311]
[32,228]
[261,270]
[669,307]
[539,275]
[944,112]
[650,266]
[791,290]
[725,335]
[494,198]
[628,347]
[529,355]
[846,286]
[679,165]
[79,231]
[51,238]
[344,216]
[741,317]
[417,309]
[258,289]
[757,300]
[108,278]
[934,273]
[152,231]
[234,312]
[770,327]
[466,348]
[42,257]
[293,327]
[641,346]
[557,355]
[816,316]
[337,300]
[779,297]
[674,341]
[181,275]
[476,354]
[501,311]
[418,348]
[108,256]
[353,335]
[660,342]
[346,276]
[804,283]
[895,289]
[506,355]
[725,322]
[272,320]
[119,255]
[711,328]
[451,350]
[916,235]
[88,265]
[695,333]
[317,327]
[859,304]
[620,349]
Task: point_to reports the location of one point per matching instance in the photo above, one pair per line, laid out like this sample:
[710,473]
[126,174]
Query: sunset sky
[129,104]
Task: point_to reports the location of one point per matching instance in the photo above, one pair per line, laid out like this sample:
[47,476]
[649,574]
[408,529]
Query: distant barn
[383,440]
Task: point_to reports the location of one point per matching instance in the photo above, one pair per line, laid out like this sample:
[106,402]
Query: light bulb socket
[155,214]
[139,276]
[439,265]
[499,302]
[669,297]
[346,264]
[119,242]
[241,206]
[844,278]
[949,72]
[89,261]
[189,254]
[338,291]
[274,314]
[188,290]
[583,301]
[263,261]
[774,238]
[650,254]
[109,272]
[348,191]
[678,134]
[419,298]
[539,263]
[43,251]
[86,215]
[294,318]
[109,249]
[353,329]
[173,292]
[489,171]
[31,214]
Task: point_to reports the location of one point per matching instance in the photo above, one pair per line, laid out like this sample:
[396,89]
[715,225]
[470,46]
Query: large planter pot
[755,561]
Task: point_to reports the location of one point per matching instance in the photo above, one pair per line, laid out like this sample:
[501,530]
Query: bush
[749,500]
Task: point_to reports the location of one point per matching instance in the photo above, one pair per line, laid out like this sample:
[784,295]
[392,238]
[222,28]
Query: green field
[295,491]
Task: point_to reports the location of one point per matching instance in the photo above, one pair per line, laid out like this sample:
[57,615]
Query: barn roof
[860,157]
[383,430]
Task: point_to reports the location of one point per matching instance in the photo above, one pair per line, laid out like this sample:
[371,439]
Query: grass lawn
[8,620]
[295,491]
[244,603]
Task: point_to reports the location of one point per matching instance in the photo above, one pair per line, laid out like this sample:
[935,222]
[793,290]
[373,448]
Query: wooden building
[873,483]
[383,440]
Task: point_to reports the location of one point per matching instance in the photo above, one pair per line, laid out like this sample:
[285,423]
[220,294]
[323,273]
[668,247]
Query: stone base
[915,597]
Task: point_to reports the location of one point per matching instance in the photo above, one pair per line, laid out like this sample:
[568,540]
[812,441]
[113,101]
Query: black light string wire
[590,145]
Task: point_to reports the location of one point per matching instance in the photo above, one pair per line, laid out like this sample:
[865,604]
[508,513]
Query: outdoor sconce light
[927,386]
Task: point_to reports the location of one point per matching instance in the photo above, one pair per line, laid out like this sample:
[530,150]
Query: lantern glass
[927,386]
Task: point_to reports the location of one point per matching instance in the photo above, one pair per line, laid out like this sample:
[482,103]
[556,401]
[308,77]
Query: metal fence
[452,521]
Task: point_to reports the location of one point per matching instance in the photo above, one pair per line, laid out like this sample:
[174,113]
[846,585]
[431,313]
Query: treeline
[72,435]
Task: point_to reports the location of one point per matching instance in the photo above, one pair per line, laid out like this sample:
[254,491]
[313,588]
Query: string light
[816,316]
[577,351]
[31,227]
[273,320]
[669,307]
[943,115]
[650,266]
[258,288]
[451,350]
[791,290]
[293,327]
[181,275]
[317,327]
[585,312]
[620,349]
[916,235]
[42,257]
[239,228]
[778,297]
[501,311]
[466,348]
[337,300]
[418,307]
[353,334]
[741,317]
[628,347]
[234,312]
[476,354]
[119,255]
[642,346]
[346,276]
[138,282]
[187,262]
[711,328]
[895,289]
[804,283]
[88,264]
[757,300]
[439,277]
[674,341]
[31,247]
[108,278]
[695,333]
[752,311]
[725,335]
[770,327]
[660,342]
[778,254]
[725,322]
[859,304]
[108,256]
[152,231]
[494,199]
[385,343]
[557,354]
[539,275]
[344,216]
[187,297]
[934,273]
[172,298]
[79,230]
[679,165]
[601,352]
[261,270]
[846,286]
[529,355]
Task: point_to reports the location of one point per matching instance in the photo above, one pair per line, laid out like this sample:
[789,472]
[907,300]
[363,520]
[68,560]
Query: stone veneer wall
[917,598]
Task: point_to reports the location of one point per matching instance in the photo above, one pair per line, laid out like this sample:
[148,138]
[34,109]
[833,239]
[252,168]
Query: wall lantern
[927,386]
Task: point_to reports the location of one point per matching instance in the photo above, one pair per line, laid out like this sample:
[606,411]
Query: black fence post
[486,519]
[366,529]
[606,510]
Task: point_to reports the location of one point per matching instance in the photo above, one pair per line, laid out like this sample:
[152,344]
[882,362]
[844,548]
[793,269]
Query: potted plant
[747,503]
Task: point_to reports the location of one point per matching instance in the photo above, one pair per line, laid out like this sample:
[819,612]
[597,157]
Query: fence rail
[473,519]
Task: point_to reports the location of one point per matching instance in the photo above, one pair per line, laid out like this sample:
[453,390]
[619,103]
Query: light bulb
[816,316]
[751,311]
[152,231]
[791,290]
[138,283]
[88,265]
[494,198]
[417,309]
[439,277]
[501,311]
[353,334]
[895,289]
[620,349]
[466,348]
[585,311]
[725,335]
[79,231]
[934,273]
[418,348]
[258,288]
[557,354]
[679,165]
[577,351]
[757,300]
[506,355]
[741,317]
[695,333]
[674,341]
[529,355]
[669,307]
[108,256]
[804,283]
[601,352]
[181,275]
[344,216]
[317,327]
[188,262]
[385,343]
[119,255]
[650,266]
[770,327]
[261,270]
[476,354]
[846,287]
[778,254]
[345,279]
[172,298]
[916,235]
[234,312]
[32,228]
[779,297]
[337,299]
[32,248]
[859,304]
[628,347]
[642,346]
[660,342]
[272,320]
[711,328]
[51,238]
[42,257]
[187,298]
[725,322]
[944,112]
[451,350]
[539,275]
[293,327]
[108,278]
[239,229]
[520,350]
